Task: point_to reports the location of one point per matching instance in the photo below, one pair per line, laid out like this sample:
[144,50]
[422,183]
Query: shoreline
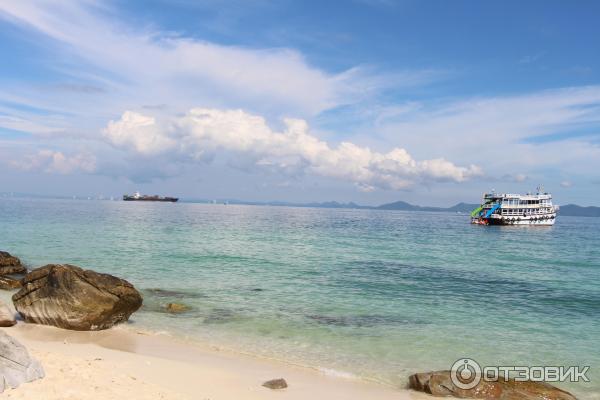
[94,365]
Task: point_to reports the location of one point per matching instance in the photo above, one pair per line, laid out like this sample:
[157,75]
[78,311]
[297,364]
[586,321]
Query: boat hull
[534,221]
[166,199]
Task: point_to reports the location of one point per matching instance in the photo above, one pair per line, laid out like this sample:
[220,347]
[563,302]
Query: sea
[370,294]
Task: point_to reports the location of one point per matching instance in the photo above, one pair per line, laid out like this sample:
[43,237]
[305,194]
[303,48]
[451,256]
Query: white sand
[119,363]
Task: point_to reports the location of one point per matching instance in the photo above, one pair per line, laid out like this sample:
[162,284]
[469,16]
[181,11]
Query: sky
[371,101]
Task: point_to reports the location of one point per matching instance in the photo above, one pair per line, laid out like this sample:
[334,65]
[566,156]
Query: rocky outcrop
[439,383]
[177,308]
[16,366]
[8,283]
[10,264]
[279,383]
[69,297]
[7,317]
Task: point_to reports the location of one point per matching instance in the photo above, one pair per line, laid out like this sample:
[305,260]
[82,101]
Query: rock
[276,384]
[10,264]
[220,315]
[439,383]
[8,283]
[165,293]
[69,297]
[16,366]
[177,308]
[7,317]
[173,294]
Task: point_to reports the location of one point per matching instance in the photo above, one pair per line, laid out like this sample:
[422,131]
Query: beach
[119,362]
[319,295]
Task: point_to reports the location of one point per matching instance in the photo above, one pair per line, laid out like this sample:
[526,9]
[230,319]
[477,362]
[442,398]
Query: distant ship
[515,209]
[143,197]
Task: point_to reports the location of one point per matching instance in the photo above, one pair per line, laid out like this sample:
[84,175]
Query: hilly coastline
[572,210]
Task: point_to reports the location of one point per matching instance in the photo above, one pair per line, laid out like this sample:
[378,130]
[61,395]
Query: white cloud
[153,67]
[138,132]
[503,133]
[202,132]
[16,123]
[502,118]
[111,66]
[56,162]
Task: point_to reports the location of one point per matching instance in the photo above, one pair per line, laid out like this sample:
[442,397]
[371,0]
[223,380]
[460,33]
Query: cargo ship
[515,209]
[143,197]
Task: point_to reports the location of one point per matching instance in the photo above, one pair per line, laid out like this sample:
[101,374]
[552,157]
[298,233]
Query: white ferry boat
[515,209]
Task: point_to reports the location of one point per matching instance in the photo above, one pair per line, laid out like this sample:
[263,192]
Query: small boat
[515,209]
[143,197]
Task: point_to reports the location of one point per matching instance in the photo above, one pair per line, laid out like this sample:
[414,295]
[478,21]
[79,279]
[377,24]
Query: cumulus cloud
[56,162]
[203,132]
[138,132]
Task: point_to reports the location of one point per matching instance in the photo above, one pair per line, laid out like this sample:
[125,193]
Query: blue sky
[367,100]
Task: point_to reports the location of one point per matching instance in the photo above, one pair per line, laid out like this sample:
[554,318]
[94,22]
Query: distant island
[577,211]
[571,210]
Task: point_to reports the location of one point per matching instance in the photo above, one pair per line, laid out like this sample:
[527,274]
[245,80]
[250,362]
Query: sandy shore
[120,362]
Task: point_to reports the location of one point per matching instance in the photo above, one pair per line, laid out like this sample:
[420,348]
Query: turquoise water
[377,294]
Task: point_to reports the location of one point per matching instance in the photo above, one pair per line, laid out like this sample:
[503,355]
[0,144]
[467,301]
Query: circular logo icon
[465,373]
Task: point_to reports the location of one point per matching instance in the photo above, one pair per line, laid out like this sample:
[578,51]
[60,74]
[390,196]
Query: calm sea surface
[378,294]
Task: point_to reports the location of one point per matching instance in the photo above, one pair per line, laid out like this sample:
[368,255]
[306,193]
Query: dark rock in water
[69,297]
[10,264]
[359,321]
[219,316]
[172,294]
[8,283]
[276,384]
[439,383]
[16,366]
[164,293]
[7,317]
[177,308]
[327,320]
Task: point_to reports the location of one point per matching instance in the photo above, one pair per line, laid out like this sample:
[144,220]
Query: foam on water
[377,294]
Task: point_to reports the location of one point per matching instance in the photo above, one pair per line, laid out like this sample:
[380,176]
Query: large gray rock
[69,297]
[439,383]
[16,366]
[10,264]
[7,317]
